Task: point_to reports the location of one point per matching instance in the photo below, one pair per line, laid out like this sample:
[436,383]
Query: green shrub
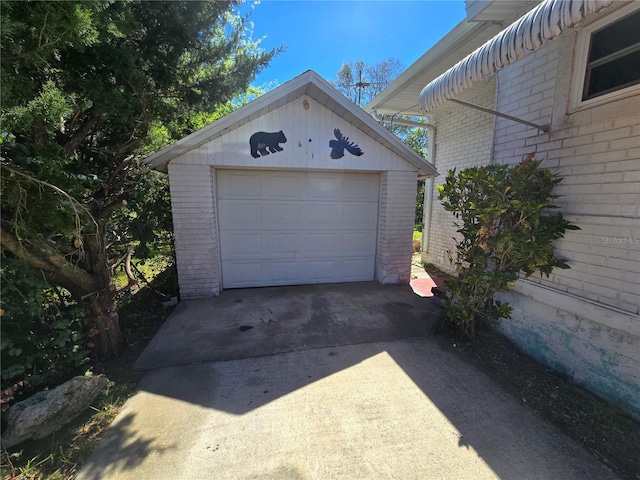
[42,344]
[503,217]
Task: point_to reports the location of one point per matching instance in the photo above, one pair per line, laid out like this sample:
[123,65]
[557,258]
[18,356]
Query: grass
[417,241]
[149,270]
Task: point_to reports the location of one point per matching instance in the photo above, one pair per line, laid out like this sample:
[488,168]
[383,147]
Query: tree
[86,87]
[360,82]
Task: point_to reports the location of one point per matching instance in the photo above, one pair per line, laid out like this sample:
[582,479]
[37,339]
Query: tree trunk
[101,304]
[106,337]
[91,286]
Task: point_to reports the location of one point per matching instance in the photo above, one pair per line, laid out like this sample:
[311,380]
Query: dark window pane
[620,73]
[615,37]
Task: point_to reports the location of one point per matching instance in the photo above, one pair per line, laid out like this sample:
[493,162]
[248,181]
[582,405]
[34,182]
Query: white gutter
[542,24]
[399,121]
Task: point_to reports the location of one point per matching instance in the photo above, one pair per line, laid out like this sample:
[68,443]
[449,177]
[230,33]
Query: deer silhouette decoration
[341,144]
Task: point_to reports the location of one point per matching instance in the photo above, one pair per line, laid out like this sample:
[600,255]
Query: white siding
[308,132]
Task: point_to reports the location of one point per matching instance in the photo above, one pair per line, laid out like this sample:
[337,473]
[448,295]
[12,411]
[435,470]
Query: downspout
[428,193]
[429,184]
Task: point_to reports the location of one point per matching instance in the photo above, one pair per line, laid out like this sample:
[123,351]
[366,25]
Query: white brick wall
[597,152]
[192,206]
[582,321]
[194,217]
[395,227]
[463,139]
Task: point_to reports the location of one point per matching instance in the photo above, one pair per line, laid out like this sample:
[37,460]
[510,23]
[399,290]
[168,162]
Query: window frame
[583,44]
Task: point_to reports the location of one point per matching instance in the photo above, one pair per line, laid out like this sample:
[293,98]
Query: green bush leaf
[507,232]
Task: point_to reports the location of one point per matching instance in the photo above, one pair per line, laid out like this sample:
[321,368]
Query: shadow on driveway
[265,321]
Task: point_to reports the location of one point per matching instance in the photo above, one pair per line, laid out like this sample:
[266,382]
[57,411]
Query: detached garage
[299,186]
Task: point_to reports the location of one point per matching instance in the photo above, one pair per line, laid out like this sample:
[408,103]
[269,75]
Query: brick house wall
[396,216]
[463,139]
[582,321]
[597,152]
[193,211]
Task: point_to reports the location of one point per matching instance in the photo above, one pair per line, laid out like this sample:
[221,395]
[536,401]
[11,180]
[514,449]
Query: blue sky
[322,35]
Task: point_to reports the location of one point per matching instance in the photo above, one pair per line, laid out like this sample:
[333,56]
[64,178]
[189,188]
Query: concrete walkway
[395,409]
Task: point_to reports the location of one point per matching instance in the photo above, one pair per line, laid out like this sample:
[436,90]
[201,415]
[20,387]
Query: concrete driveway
[334,381]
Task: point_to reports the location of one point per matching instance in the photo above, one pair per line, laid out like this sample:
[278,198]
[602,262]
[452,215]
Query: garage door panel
[361,188]
[240,185]
[238,214]
[241,245]
[324,186]
[359,243]
[288,228]
[328,215]
[282,186]
[323,244]
[323,271]
[356,269]
[276,245]
[361,215]
[283,273]
[278,215]
[242,274]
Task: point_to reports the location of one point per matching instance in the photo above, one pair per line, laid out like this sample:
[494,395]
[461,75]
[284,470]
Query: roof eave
[461,31]
[542,24]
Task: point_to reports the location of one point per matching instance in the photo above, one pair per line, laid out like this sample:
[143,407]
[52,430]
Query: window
[614,58]
[608,59]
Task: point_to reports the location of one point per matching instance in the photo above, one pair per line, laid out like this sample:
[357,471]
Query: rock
[46,412]
[172,302]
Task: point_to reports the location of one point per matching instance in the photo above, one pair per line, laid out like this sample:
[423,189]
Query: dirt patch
[604,430]
[140,321]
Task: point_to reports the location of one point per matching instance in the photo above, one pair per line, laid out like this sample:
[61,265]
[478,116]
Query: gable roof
[312,85]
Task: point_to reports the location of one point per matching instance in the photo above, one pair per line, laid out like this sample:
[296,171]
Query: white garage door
[291,228]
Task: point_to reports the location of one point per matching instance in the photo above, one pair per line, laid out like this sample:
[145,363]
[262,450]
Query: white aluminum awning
[545,22]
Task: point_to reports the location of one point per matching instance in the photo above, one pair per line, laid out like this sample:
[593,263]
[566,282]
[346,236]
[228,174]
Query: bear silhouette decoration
[263,142]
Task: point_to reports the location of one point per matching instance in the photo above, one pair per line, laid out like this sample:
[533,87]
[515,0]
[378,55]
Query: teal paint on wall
[578,348]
